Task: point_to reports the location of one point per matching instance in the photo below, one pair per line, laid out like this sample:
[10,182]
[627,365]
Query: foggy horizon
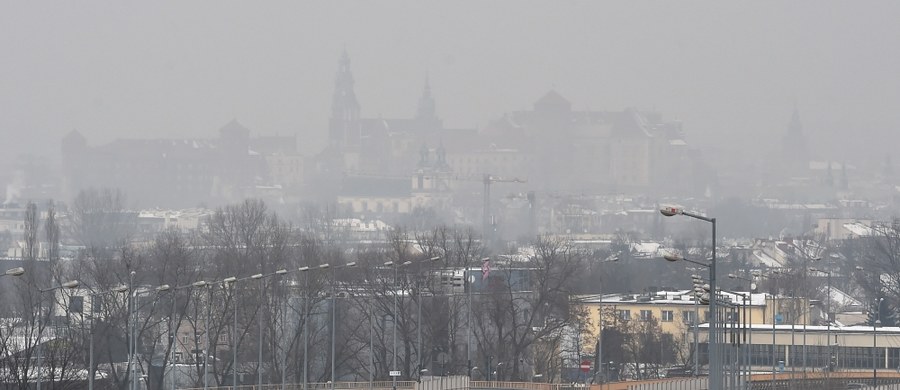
[732,73]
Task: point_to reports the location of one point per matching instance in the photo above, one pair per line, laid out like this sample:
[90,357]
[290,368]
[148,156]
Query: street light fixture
[827,317]
[419,364]
[175,325]
[260,278]
[305,270]
[67,285]
[611,258]
[714,372]
[334,314]
[118,289]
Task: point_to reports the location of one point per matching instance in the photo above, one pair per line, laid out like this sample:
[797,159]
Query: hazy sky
[731,71]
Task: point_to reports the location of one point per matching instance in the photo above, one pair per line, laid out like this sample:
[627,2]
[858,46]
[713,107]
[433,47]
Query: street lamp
[419,320]
[135,361]
[613,257]
[175,325]
[118,289]
[394,318]
[875,325]
[67,285]
[334,314]
[261,278]
[827,318]
[748,321]
[715,374]
[697,279]
[305,270]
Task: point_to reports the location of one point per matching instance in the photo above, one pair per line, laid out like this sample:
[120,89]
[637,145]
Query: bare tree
[51,232]
[97,219]
[31,229]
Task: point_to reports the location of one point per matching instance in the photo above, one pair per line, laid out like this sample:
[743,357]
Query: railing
[783,381]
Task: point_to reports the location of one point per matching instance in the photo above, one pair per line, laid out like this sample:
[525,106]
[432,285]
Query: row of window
[666,315]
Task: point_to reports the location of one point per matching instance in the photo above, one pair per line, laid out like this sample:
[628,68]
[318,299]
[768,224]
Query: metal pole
[394,317]
[174,334]
[40,348]
[793,322]
[875,342]
[133,333]
[774,314]
[306,334]
[91,349]
[828,327]
[467,287]
[259,324]
[206,347]
[284,349]
[419,331]
[333,314]
[715,373]
[234,336]
[371,346]
[599,363]
[696,324]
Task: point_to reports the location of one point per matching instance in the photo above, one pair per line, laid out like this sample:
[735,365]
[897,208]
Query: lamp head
[303,269]
[731,276]
[18,271]
[163,287]
[406,262]
[256,276]
[350,264]
[71,284]
[281,272]
[120,288]
[670,211]
[323,266]
[436,258]
[388,263]
[230,279]
[672,256]
[199,283]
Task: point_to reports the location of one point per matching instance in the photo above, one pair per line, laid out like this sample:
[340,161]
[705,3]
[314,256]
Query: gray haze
[733,72]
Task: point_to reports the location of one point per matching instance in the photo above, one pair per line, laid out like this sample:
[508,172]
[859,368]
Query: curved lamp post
[697,279]
[305,270]
[118,289]
[715,373]
[334,314]
[827,319]
[598,364]
[261,278]
[68,285]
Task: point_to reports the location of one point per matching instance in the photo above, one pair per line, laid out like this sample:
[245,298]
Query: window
[688,317]
[667,316]
[646,315]
[76,304]
[624,315]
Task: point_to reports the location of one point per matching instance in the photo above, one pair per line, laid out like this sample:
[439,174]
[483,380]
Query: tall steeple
[344,126]
[794,147]
[426,109]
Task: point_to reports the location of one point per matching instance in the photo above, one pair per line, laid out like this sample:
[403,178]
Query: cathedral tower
[344,125]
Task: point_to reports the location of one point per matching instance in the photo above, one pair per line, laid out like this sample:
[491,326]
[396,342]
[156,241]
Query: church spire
[344,123]
[793,144]
[426,109]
